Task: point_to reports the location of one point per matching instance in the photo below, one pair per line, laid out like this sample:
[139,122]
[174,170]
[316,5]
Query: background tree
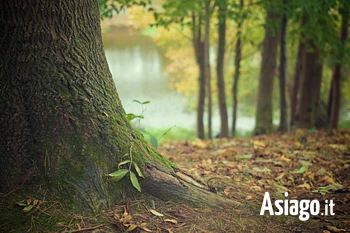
[191,13]
[298,71]
[208,12]
[222,11]
[310,89]
[237,65]
[263,117]
[336,77]
[283,70]
[63,127]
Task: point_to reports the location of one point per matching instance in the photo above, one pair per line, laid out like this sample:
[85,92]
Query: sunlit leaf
[27,208]
[118,175]
[138,170]
[305,185]
[300,170]
[135,181]
[156,213]
[171,220]
[123,162]
[265,169]
[21,203]
[137,101]
[259,144]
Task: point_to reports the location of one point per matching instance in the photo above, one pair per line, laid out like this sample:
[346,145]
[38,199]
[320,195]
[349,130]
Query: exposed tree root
[180,187]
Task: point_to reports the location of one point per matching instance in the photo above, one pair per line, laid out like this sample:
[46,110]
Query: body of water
[138,69]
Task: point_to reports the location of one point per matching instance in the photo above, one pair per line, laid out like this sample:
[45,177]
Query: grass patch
[176,134]
[172,134]
[344,124]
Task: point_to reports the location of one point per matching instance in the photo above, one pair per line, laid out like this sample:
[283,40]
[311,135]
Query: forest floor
[311,165]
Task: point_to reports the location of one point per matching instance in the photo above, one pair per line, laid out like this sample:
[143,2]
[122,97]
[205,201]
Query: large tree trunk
[237,61]
[62,126]
[283,72]
[309,103]
[336,78]
[267,75]
[220,69]
[198,46]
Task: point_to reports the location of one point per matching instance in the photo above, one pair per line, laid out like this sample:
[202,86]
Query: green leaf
[265,169]
[130,116]
[118,175]
[137,101]
[154,141]
[146,102]
[138,170]
[134,181]
[300,170]
[27,208]
[123,162]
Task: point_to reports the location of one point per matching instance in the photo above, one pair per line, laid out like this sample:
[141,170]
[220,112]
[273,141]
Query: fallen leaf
[243,157]
[259,144]
[280,176]
[256,188]
[131,227]
[300,170]
[283,158]
[265,169]
[171,221]
[328,179]
[335,229]
[156,213]
[199,144]
[305,185]
[248,198]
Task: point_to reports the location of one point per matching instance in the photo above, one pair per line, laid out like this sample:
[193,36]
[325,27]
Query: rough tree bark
[336,77]
[283,71]
[62,125]
[220,69]
[238,58]
[267,75]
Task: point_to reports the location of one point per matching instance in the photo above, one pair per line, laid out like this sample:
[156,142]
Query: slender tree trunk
[309,102]
[199,53]
[299,66]
[62,125]
[220,69]
[283,72]
[336,78]
[237,60]
[207,65]
[267,75]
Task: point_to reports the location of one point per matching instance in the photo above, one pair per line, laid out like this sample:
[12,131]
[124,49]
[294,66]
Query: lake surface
[138,69]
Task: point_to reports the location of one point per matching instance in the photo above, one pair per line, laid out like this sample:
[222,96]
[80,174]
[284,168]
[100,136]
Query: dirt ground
[311,165]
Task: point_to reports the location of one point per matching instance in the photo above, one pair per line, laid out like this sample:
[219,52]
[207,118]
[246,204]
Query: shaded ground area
[306,164]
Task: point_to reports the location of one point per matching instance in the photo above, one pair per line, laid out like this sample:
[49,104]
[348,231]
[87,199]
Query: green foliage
[109,8]
[132,116]
[344,124]
[122,171]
